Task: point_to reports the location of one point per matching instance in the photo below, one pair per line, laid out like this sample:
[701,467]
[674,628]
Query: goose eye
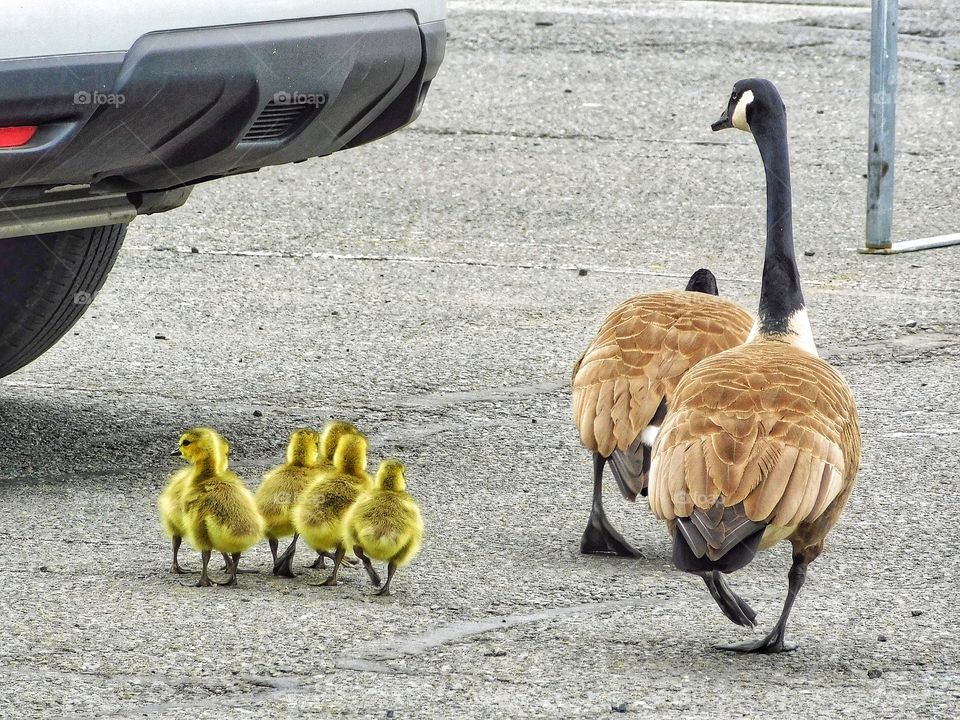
[186,442]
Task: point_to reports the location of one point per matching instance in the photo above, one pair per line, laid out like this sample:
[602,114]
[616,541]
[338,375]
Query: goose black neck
[780,294]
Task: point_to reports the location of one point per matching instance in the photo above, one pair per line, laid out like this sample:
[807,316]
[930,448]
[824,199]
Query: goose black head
[703,281]
[752,102]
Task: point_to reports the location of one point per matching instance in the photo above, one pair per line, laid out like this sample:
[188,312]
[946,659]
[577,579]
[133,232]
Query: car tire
[46,283]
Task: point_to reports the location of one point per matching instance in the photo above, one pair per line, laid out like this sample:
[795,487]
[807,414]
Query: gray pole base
[905,246]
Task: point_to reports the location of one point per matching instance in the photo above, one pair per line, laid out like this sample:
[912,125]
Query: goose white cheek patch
[740,111]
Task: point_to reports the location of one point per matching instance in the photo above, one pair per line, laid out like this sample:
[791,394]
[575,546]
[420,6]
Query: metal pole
[883,90]
[883,107]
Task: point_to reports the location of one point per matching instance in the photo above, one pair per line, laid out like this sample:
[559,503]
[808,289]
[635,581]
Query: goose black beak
[724,122]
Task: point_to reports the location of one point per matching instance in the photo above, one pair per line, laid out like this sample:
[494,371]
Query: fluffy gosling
[318,515]
[170,505]
[219,511]
[385,524]
[280,489]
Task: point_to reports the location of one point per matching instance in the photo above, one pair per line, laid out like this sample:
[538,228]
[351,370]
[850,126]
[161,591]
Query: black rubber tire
[46,284]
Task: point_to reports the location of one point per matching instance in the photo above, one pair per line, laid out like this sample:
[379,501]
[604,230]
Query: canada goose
[623,382]
[219,512]
[318,514]
[762,443]
[280,488]
[385,524]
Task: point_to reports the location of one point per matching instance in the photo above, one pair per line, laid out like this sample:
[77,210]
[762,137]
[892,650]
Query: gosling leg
[391,569]
[600,537]
[337,560]
[274,544]
[234,565]
[367,565]
[204,580]
[283,566]
[175,567]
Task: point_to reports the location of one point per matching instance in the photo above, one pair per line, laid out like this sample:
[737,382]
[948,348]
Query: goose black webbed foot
[770,645]
[600,538]
[733,606]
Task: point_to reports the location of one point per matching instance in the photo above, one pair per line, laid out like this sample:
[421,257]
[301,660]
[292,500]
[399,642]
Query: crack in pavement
[374,657]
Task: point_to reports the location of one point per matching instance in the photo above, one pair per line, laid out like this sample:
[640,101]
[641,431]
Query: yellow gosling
[385,524]
[280,489]
[170,505]
[219,511]
[318,515]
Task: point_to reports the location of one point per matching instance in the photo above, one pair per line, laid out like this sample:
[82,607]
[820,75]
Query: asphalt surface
[427,287]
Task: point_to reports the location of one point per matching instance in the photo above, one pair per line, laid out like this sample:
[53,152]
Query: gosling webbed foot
[319,563]
[175,569]
[385,590]
[202,582]
[234,566]
[329,582]
[284,568]
[283,565]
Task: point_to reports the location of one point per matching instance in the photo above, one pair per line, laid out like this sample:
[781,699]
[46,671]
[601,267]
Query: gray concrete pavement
[426,287]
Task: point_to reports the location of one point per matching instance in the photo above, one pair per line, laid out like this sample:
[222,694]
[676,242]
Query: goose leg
[284,565]
[226,563]
[734,607]
[774,642]
[234,565]
[367,565]
[337,560]
[391,569]
[274,545]
[600,538]
[175,567]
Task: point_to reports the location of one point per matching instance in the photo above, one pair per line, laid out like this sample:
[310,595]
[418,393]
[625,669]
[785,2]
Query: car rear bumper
[184,106]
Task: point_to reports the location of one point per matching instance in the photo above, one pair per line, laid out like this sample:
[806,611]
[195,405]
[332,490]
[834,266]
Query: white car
[109,110]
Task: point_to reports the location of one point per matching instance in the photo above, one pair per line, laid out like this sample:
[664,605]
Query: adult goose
[762,442]
[623,382]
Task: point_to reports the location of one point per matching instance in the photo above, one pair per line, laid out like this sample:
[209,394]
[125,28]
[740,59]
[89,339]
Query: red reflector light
[17,135]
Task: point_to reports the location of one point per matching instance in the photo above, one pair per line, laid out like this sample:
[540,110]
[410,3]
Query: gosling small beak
[176,452]
[723,123]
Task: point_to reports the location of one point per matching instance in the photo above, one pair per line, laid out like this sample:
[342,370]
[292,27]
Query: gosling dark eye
[186,442]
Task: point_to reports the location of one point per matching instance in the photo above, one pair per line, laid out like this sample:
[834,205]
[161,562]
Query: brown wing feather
[642,350]
[777,429]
